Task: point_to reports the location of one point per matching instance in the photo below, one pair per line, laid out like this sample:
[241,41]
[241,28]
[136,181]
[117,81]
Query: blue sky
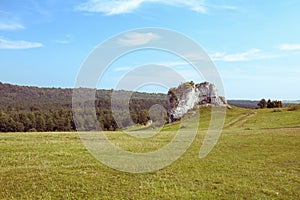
[254,44]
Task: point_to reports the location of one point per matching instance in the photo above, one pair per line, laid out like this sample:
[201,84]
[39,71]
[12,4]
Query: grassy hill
[257,157]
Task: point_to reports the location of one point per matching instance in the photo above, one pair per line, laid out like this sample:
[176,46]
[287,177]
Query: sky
[254,44]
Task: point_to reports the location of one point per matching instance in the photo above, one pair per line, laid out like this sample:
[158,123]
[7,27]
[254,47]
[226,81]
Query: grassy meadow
[257,157]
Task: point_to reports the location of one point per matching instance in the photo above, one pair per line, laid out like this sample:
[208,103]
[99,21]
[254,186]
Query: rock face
[187,95]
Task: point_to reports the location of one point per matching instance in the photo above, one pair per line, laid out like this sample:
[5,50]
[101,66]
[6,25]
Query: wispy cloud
[114,7]
[66,40]
[136,39]
[244,56]
[9,21]
[5,26]
[223,7]
[289,47]
[18,44]
[252,54]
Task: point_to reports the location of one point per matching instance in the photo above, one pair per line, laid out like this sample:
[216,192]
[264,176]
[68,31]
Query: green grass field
[257,157]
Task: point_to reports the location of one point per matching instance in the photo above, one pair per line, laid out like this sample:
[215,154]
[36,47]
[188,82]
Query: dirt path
[240,120]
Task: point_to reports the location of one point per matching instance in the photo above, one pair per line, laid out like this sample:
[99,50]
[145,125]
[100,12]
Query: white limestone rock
[187,95]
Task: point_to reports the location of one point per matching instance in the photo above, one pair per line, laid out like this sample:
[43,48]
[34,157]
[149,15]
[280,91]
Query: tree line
[25,109]
[269,104]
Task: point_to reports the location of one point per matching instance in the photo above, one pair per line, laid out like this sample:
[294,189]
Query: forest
[29,109]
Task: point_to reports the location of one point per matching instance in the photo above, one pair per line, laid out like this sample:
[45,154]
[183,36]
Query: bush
[294,108]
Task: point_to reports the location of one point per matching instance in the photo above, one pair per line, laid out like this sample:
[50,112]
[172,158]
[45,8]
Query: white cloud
[114,7]
[244,56]
[289,47]
[252,54]
[136,39]
[18,44]
[10,26]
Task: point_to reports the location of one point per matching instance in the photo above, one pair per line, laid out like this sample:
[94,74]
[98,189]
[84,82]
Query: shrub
[294,108]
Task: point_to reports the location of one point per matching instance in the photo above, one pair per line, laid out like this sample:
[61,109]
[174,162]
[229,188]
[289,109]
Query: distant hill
[244,103]
[291,102]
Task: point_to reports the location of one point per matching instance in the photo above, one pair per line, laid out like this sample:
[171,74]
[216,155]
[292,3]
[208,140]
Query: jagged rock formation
[187,95]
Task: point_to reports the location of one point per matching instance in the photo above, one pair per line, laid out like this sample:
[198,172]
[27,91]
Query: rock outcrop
[187,95]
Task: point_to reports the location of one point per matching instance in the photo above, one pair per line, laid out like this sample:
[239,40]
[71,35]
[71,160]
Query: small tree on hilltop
[270,104]
[274,104]
[262,104]
[277,104]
